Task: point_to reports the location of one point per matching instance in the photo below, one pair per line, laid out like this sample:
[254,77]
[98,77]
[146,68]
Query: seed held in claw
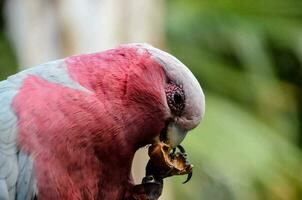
[166,161]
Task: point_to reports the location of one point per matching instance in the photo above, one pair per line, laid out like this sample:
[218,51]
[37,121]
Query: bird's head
[178,97]
[181,97]
[148,92]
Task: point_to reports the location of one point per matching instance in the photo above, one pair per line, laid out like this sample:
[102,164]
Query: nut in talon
[164,163]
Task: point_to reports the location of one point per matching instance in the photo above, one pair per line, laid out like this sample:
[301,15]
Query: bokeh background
[246,54]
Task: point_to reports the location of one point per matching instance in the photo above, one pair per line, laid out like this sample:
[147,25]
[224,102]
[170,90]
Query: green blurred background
[247,56]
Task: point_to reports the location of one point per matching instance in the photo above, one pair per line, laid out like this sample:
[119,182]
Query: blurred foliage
[247,56]
[8,62]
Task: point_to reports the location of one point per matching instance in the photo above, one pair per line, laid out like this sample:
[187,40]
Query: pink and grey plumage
[69,128]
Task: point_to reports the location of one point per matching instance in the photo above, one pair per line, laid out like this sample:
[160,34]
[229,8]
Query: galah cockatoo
[69,128]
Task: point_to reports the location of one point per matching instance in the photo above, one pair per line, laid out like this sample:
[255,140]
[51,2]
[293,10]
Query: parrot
[69,128]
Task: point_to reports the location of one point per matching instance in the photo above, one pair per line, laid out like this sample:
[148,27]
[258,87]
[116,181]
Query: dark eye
[175,98]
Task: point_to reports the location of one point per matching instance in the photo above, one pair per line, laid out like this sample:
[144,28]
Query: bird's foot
[164,162]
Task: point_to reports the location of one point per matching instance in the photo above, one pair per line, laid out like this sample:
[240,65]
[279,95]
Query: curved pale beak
[175,135]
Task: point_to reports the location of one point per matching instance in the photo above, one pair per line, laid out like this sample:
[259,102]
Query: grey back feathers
[8,147]
[54,72]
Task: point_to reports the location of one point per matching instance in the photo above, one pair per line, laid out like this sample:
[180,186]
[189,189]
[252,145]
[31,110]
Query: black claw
[188,178]
[181,149]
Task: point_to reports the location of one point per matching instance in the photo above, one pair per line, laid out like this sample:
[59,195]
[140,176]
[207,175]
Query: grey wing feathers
[26,186]
[3,190]
[15,166]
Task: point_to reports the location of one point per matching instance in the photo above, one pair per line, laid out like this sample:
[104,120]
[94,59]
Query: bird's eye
[175,98]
